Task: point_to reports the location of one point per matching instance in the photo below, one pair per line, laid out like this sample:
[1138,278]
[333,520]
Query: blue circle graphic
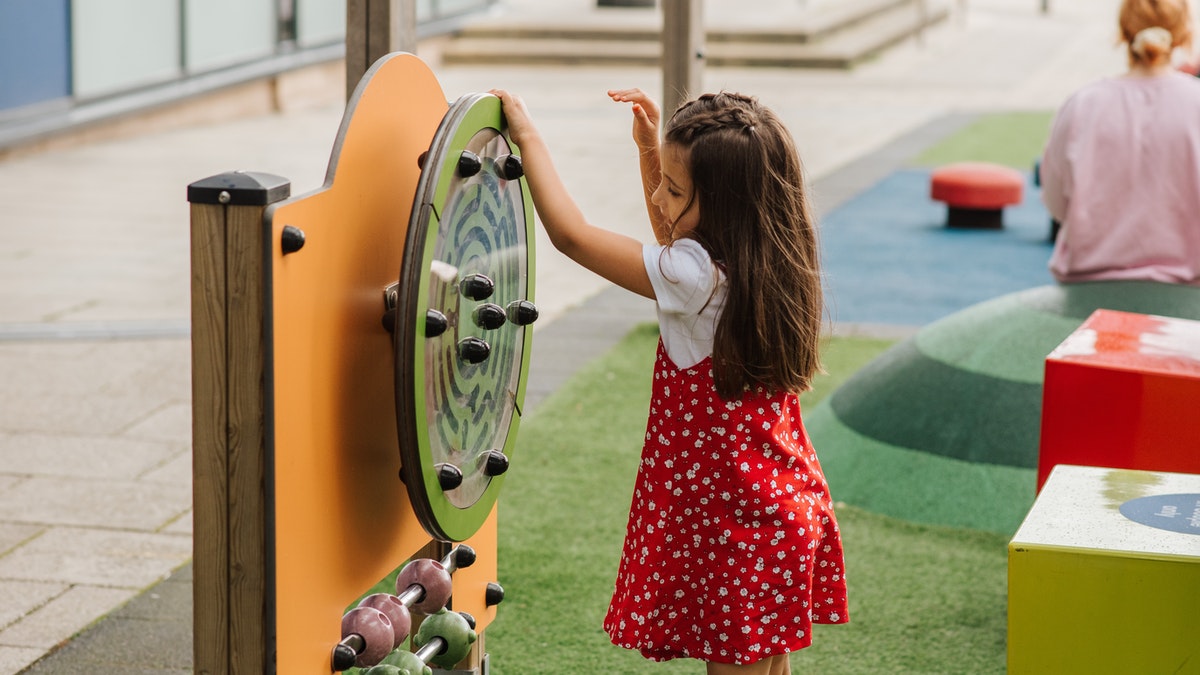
[1176,513]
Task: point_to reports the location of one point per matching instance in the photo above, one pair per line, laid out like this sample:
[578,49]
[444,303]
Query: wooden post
[375,28]
[231,549]
[683,52]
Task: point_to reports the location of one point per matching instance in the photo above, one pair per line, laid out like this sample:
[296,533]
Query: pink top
[1121,172]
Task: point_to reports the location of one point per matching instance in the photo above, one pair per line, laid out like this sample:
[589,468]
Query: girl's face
[675,197]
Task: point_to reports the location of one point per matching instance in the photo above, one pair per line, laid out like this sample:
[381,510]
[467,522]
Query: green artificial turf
[922,599]
[1014,139]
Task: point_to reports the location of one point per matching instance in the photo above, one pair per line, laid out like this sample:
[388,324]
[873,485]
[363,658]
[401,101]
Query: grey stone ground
[95,469]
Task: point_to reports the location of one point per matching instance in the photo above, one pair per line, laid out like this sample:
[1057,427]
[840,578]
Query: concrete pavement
[95,468]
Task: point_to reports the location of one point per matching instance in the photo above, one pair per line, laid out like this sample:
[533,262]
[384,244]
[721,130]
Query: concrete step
[837,36]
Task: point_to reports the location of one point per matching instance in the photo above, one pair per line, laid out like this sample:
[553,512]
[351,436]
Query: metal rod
[411,595]
[431,649]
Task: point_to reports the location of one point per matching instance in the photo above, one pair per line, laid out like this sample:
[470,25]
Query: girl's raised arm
[646,118]
[612,255]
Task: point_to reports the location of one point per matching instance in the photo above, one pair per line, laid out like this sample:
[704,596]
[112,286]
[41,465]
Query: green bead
[451,627]
[407,662]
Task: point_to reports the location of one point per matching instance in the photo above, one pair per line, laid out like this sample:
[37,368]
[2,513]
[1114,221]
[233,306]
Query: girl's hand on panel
[520,124]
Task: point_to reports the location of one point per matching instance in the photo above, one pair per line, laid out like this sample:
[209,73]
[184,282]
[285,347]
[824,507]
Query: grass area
[1014,139]
[923,599]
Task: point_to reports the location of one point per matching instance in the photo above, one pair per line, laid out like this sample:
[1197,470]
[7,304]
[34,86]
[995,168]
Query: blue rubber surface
[888,257]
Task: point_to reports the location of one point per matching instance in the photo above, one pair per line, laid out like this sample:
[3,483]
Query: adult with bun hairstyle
[1121,168]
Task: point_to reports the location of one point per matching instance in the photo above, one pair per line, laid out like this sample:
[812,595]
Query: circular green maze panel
[462,331]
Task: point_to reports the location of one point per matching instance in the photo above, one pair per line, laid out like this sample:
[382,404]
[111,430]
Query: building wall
[67,62]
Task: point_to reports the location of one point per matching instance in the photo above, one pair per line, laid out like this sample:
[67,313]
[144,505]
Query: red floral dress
[732,550]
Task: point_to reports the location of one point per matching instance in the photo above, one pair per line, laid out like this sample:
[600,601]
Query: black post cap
[240,188]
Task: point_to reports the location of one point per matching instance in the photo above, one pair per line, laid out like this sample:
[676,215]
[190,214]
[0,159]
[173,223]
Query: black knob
[494,594]
[477,287]
[509,167]
[473,350]
[343,657]
[468,164]
[389,321]
[449,476]
[435,323]
[421,160]
[464,556]
[291,239]
[522,312]
[496,463]
[489,316]
[470,619]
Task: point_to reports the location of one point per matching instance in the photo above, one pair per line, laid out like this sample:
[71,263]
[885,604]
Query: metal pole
[683,52]
[375,28]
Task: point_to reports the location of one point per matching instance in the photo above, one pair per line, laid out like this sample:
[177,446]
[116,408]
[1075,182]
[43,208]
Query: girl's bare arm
[646,118]
[612,255]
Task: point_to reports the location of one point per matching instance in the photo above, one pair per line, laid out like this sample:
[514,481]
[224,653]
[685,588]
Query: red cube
[1123,392]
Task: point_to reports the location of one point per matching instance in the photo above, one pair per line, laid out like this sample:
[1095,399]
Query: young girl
[732,551]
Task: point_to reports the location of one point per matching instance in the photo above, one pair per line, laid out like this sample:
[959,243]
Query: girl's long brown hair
[755,221]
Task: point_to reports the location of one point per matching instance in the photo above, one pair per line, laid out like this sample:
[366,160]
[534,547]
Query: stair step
[642,24]
[850,43]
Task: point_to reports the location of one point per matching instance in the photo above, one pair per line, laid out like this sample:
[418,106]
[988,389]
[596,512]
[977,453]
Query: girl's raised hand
[520,124]
[646,116]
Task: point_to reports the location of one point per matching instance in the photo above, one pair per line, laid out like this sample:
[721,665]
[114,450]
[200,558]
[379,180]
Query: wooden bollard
[230,594]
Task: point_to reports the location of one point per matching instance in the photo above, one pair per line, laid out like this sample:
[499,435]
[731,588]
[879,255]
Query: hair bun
[1152,41]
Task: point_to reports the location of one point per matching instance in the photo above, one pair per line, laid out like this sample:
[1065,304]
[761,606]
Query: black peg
[435,323]
[291,239]
[464,556]
[449,476]
[509,167]
[489,316]
[477,287]
[389,321]
[469,164]
[421,160]
[496,464]
[522,312]
[344,653]
[473,350]
[494,594]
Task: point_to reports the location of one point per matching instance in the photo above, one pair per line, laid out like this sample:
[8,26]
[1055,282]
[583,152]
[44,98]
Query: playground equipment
[1104,574]
[944,427]
[1121,392]
[359,364]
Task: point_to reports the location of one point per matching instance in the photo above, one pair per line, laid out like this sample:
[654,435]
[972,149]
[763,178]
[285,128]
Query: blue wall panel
[34,52]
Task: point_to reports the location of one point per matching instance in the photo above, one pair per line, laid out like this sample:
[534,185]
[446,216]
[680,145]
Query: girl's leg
[776,665]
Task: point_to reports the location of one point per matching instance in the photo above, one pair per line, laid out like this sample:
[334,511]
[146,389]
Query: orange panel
[342,520]
[470,583]
[1121,392]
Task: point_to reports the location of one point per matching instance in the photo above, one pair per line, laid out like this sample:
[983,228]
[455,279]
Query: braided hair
[756,222]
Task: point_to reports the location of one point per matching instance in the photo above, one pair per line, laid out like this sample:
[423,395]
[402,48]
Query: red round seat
[976,192]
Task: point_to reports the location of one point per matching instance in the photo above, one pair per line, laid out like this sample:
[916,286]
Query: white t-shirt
[690,291]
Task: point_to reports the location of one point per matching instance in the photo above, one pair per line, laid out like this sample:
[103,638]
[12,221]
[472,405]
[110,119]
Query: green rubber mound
[943,428]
